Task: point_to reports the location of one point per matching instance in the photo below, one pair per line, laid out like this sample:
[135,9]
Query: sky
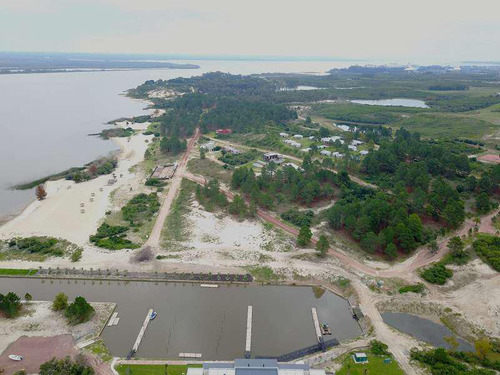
[392,30]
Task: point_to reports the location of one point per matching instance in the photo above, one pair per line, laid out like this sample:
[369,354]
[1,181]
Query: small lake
[424,330]
[394,103]
[300,88]
[210,321]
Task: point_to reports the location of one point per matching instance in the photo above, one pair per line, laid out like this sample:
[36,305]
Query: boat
[15,357]
[325,329]
[153,315]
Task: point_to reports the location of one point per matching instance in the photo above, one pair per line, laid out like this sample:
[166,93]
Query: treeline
[448,87]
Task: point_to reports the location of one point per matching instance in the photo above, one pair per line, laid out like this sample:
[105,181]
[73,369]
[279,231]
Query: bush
[112,238]
[415,288]
[378,348]
[298,218]
[60,302]
[437,274]
[140,208]
[155,182]
[488,249]
[76,255]
[10,304]
[40,245]
[79,311]
[66,366]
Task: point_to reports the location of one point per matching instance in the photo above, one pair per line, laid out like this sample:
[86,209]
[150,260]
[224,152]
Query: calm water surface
[211,321]
[424,329]
[46,117]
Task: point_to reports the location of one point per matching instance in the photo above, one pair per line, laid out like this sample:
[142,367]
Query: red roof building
[223,131]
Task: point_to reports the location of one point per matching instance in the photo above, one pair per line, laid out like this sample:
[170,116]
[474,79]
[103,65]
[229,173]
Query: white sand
[59,214]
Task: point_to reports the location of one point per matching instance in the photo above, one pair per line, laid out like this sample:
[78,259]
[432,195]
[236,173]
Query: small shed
[360,358]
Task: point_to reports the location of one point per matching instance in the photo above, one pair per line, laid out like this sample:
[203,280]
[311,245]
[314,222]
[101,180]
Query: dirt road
[154,237]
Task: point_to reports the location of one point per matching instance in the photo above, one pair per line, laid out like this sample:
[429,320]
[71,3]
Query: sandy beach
[59,215]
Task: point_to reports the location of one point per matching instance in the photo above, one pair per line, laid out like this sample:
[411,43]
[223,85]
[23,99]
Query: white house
[364,152]
[288,141]
[296,145]
[231,150]
[284,135]
[298,136]
[343,127]
[353,148]
[356,142]
[311,137]
[326,153]
[337,154]
[209,146]
[321,147]
[306,149]
[326,139]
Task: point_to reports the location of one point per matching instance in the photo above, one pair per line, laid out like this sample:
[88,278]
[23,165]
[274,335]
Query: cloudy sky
[399,30]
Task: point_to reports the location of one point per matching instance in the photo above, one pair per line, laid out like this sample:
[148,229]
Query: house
[364,152]
[306,149]
[343,127]
[273,157]
[311,138]
[294,166]
[284,135]
[326,139]
[223,131]
[298,136]
[292,143]
[353,148]
[337,155]
[288,141]
[164,172]
[209,146]
[356,142]
[231,150]
[326,153]
[321,147]
[254,367]
[360,358]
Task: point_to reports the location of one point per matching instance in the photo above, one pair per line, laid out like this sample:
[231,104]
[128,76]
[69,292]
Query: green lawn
[375,366]
[153,369]
[16,272]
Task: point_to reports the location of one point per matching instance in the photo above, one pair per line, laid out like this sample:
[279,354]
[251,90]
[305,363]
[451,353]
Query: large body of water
[414,103]
[45,118]
[424,330]
[210,321]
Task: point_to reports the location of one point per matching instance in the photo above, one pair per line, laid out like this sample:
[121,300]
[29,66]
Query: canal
[210,321]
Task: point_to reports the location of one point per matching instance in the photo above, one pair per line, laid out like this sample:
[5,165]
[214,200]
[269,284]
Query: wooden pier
[317,328]
[248,343]
[142,331]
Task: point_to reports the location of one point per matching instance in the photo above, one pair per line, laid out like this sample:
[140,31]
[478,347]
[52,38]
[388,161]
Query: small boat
[153,315]
[325,329]
[16,357]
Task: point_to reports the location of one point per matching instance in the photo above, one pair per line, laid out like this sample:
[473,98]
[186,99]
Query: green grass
[176,226]
[16,272]
[210,169]
[263,273]
[375,366]
[153,369]
[99,349]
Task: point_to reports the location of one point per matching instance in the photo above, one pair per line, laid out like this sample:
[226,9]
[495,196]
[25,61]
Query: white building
[356,142]
[231,150]
[321,147]
[364,152]
[293,165]
[284,135]
[306,149]
[254,367]
[337,155]
[353,148]
[298,136]
[209,146]
[326,153]
[273,157]
[311,137]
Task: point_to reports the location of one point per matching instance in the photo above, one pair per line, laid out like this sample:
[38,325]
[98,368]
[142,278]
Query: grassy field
[375,366]
[153,369]
[16,272]
[209,169]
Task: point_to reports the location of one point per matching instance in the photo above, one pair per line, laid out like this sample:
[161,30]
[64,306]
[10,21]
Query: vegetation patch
[117,133]
[436,274]
[112,237]
[263,273]
[36,248]
[176,226]
[17,272]
[487,247]
[154,369]
[414,288]
[141,208]
[100,350]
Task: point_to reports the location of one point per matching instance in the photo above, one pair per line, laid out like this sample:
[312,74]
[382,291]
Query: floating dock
[209,285]
[248,342]
[317,328]
[111,320]
[142,331]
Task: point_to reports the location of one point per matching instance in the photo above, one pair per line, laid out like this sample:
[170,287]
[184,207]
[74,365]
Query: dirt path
[154,238]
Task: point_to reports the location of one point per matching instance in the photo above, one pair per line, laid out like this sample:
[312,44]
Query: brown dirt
[36,350]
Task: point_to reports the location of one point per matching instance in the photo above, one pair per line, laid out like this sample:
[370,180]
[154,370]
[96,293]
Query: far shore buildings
[284,135]
[224,131]
[254,367]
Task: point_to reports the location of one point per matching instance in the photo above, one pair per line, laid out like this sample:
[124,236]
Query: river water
[45,118]
[210,321]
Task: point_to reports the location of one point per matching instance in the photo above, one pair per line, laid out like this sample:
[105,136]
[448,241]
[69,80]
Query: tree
[237,206]
[60,302]
[483,204]
[483,347]
[322,245]
[433,247]
[304,237]
[378,348]
[79,311]
[10,304]
[391,251]
[66,366]
[456,247]
[40,192]
[202,153]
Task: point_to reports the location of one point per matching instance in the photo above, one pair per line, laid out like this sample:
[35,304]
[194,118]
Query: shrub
[298,218]
[378,348]
[76,255]
[488,249]
[60,302]
[415,288]
[79,311]
[437,274]
[10,304]
[66,366]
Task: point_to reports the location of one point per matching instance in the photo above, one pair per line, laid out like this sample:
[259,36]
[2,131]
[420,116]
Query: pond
[424,330]
[300,88]
[394,103]
[210,321]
